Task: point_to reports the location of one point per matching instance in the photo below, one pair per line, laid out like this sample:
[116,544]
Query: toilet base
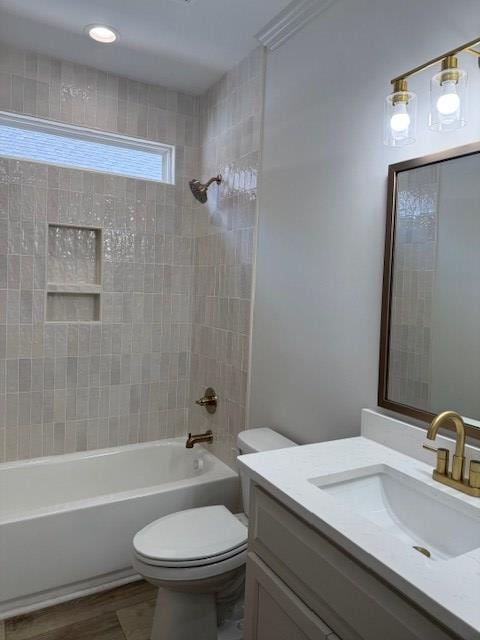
[192,601]
[181,615]
[231,630]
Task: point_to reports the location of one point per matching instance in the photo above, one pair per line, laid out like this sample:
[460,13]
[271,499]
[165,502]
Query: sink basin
[410,511]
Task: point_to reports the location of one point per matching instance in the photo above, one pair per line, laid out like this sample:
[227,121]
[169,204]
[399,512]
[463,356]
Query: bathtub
[67,521]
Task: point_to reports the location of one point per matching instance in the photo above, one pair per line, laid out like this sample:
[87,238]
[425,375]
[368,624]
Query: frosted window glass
[67,146]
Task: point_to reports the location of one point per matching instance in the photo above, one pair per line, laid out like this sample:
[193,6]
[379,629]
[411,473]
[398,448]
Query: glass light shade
[448,100]
[400,119]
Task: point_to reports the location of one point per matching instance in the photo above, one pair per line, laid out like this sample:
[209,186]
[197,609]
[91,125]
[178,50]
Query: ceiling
[182,45]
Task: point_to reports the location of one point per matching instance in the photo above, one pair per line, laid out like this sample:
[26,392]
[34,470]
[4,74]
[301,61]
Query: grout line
[120,625]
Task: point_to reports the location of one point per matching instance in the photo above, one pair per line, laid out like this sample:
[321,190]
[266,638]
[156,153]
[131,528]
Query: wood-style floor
[124,613]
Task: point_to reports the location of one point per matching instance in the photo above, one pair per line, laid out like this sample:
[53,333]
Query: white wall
[322,204]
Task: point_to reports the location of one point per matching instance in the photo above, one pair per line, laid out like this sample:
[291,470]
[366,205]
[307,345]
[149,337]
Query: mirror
[430,342]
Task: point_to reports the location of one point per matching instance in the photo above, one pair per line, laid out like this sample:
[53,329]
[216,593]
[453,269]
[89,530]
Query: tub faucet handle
[209,400]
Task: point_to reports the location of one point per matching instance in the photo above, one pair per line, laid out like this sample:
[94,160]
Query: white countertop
[448,589]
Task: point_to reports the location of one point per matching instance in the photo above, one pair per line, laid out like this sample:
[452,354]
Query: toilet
[197,557]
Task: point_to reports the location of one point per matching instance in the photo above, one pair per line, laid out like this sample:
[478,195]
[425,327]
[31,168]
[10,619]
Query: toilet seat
[192,538]
[190,563]
[159,575]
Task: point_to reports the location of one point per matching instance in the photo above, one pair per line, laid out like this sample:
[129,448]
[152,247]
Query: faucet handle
[442,458]
[474,474]
[209,400]
[429,448]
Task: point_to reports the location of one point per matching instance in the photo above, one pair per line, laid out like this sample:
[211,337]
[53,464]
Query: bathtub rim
[57,458]
[219,471]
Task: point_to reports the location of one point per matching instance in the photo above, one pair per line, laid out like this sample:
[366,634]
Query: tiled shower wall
[230,114]
[167,261]
[74,386]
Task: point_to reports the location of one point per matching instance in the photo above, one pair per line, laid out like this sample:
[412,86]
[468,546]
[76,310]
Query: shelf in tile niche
[62,287]
[72,306]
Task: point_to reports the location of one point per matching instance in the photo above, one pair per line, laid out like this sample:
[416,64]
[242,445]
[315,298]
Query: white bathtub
[67,522]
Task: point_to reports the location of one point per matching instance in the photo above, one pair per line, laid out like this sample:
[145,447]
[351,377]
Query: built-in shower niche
[74,273]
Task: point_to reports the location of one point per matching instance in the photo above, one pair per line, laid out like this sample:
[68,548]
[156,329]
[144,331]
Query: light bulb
[399,115]
[400,120]
[449,102]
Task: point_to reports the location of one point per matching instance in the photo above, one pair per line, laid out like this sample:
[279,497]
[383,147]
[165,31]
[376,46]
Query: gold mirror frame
[388,267]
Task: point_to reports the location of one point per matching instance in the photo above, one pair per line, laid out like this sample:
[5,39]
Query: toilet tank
[254,441]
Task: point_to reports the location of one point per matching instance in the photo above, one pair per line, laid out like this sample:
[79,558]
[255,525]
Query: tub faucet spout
[192,440]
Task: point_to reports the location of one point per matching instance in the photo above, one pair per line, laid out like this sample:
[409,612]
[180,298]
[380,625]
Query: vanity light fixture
[101,33]
[400,115]
[448,98]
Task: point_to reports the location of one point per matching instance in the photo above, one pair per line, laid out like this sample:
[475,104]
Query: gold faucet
[209,400]
[198,438]
[454,478]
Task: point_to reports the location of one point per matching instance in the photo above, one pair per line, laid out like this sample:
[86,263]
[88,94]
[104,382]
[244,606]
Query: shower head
[199,189]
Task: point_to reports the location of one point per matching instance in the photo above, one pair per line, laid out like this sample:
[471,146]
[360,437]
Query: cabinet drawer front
[352,600]
[275,612]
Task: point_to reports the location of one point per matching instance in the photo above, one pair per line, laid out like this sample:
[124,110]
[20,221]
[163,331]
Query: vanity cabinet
[302,586]
[277,613]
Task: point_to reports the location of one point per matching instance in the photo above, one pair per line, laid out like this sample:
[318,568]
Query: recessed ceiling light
[101,33]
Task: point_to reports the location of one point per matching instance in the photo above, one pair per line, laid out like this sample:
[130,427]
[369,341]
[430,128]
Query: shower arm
[217,179]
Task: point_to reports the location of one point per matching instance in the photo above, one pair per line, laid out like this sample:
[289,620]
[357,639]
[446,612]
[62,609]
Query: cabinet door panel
[274,612]
[349,597]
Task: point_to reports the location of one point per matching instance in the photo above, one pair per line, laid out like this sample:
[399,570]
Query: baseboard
[51,597]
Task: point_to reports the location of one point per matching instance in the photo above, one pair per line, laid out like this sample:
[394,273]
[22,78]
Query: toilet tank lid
[262,439]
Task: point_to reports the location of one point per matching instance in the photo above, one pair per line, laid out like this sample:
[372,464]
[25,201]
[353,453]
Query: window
[64,145]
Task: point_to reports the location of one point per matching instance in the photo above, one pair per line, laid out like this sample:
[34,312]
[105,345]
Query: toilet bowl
[197,558]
